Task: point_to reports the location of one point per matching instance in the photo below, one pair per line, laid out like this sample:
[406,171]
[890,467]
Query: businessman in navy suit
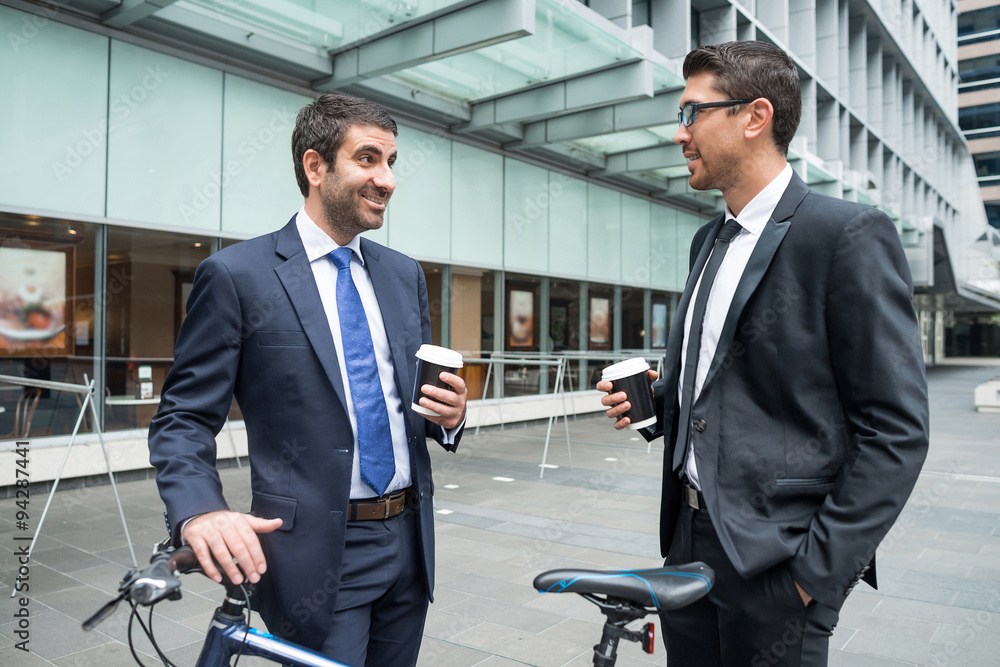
[793,405]
[313,330]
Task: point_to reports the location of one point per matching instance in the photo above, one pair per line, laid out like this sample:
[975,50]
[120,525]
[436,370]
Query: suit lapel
[296,277]
[767,245]
[388,294]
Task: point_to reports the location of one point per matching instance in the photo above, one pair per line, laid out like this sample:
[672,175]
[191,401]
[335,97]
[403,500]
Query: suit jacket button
[700,425]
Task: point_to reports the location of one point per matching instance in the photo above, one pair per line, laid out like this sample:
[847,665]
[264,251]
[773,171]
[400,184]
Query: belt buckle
[386,502]
[691,497]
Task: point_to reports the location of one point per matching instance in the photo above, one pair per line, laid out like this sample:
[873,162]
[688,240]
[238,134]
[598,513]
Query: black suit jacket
[256,329]
[815,404]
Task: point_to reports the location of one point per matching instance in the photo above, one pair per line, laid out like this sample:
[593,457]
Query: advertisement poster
[659,325]
[600,333]
[521,319]
[34,293]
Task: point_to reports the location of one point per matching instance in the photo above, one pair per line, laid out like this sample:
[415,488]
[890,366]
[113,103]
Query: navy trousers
[382,600]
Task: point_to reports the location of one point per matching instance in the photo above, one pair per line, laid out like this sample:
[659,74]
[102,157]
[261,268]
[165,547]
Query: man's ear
[315,168]
[761,113]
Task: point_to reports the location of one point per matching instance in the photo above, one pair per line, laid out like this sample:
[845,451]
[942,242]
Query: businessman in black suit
[314,331]
[793,404]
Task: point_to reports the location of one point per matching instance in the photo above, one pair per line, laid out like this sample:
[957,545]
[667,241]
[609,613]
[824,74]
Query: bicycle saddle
[664,588]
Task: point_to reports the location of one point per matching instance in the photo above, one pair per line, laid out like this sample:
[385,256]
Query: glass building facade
[537,180]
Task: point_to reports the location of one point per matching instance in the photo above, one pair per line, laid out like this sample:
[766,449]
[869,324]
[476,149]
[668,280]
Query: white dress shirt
[753,218]
[318,246]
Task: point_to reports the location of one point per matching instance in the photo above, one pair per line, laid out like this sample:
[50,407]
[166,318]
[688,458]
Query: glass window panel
[659,328]
[47,311]
[636,264]
[321,24]
[979,117]
[526,216]
[523,309]
[419,222]
[633,319]
[603,233]
[433,274]
[568,225]
[476,206]
[164,156]
[687,225]
[564,315]
[600,330]
[663,252]
[154,272]
[979,20]
[565,43]
[259,191]
[53,151]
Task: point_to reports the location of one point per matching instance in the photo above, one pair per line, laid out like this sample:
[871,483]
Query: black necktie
[726,234]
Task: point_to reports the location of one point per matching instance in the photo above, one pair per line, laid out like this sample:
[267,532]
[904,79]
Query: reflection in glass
[47,311]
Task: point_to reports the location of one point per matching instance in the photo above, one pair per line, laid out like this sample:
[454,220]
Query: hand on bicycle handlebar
[231,538]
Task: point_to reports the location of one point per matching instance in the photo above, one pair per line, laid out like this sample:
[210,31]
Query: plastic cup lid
[441,356]
[623,369]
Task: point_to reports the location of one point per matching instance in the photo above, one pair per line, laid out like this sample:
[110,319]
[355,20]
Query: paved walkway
[498,525]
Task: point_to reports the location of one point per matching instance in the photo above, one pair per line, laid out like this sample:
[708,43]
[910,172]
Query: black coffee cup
[630,377]
[432,360]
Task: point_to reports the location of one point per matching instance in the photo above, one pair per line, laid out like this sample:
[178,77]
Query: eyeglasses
[686,115]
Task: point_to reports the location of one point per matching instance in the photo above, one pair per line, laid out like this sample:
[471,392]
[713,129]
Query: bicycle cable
[149,634]
[246,631]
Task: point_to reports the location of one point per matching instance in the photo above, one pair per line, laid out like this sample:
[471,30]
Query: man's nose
[682,135]
[383,178]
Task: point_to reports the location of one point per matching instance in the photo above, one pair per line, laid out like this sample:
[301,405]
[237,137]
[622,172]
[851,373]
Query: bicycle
[623,596]
[228,633]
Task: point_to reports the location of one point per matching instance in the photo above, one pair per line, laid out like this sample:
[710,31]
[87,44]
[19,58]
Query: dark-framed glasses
[686,115]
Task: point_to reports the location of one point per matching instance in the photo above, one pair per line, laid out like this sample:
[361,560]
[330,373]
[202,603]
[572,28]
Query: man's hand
[231,537]
[617,402]
[450,405]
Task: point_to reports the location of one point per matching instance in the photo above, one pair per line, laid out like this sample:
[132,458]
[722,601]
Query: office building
[978,332]
[537,180]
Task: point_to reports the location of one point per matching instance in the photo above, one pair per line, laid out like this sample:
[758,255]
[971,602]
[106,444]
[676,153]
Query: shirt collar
[756,214]
[318,243]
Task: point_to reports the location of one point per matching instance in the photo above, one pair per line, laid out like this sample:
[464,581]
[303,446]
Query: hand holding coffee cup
[441,401]
[630,396]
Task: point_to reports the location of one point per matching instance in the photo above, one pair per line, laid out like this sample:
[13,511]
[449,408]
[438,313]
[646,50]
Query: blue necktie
[374,437]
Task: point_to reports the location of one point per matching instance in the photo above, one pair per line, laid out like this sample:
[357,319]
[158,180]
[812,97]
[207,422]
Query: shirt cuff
[450,433]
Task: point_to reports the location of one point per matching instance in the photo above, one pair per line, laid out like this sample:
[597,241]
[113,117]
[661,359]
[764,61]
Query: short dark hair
[322,125]
[750,70]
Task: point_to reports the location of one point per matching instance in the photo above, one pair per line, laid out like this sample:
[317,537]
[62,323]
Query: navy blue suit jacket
[256,329]
[813,417]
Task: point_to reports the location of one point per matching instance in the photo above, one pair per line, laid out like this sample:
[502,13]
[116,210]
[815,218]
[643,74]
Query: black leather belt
[377,509]
[692,497]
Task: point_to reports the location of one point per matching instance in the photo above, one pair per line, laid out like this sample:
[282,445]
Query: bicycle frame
[228,636]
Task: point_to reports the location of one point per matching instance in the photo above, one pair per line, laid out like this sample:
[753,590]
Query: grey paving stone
[518,617]
[517,645]
[852,659]
[439,653]
[55,635]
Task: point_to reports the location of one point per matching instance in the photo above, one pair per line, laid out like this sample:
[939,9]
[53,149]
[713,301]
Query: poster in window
[521,319]
[659,339]
[600,333]
[34,298]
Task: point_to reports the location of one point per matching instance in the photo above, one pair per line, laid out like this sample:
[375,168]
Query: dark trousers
[382,600]
[756,622]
